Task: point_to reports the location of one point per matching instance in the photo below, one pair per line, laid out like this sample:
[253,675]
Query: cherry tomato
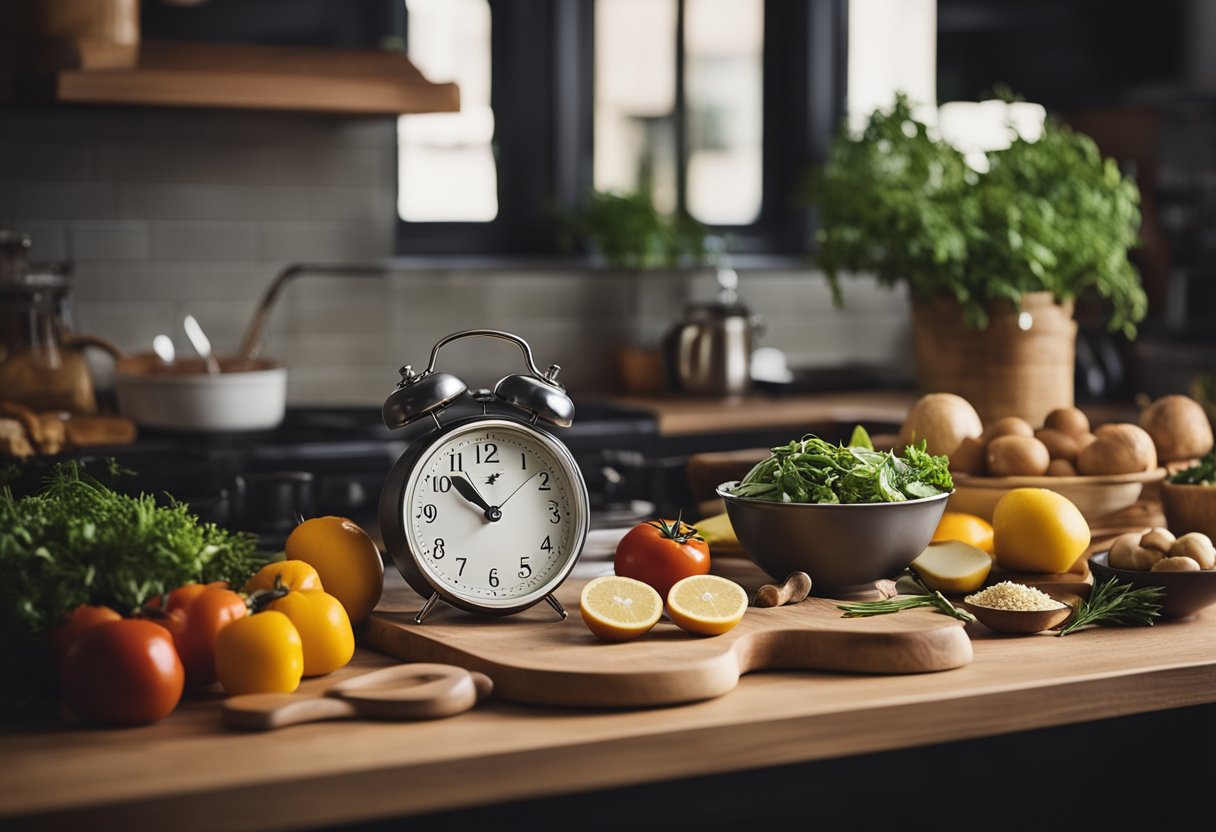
[324,629]
[659,553]
[79,621]
[195,617]
[260,654]
[288,574]
[123,672]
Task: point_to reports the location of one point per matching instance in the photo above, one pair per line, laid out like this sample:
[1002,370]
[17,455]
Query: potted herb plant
[993,261]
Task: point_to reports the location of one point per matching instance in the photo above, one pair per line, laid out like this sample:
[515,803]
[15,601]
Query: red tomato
[659,553]
[195,614]
[122,673]
[80,621]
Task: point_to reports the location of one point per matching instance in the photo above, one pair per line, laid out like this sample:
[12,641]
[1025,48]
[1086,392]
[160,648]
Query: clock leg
[557,606]
[426,608]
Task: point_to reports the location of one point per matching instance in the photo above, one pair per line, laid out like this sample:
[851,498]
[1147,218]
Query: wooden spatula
[404,692]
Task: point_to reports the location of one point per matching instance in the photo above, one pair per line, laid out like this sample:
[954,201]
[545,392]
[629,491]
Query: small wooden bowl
[1024,622]
[1189,508]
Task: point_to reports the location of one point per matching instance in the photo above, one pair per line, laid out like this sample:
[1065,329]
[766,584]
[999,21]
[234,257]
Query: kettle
[709,351]
[42,363]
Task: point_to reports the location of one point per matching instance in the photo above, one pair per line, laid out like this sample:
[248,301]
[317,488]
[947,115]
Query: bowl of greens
[846,514]
[1189,498]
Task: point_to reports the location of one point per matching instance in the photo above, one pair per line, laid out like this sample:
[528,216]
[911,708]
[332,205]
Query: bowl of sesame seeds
[1009,607]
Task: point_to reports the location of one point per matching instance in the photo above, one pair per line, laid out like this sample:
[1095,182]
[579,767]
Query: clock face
[495,513]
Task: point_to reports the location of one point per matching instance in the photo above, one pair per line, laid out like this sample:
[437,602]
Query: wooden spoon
[402,692]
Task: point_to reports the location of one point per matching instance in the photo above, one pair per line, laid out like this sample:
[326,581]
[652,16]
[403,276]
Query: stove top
[323,461]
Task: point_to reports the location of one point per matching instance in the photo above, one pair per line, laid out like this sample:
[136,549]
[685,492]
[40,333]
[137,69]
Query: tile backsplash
[163,213]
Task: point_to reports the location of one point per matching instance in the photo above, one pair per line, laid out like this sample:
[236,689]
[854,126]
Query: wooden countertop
[683,415]
[689,415]
[190,768]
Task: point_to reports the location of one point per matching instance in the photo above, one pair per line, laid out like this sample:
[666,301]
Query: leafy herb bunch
[810,470]
[1049,215]
[76,541]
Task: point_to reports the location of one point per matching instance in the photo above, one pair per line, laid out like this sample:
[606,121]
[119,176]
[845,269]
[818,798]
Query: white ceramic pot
[252,396]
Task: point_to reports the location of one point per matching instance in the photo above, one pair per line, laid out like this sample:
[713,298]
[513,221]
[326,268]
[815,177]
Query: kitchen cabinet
[781,742]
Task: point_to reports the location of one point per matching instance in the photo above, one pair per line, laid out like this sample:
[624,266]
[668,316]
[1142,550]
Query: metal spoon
[201,344]
[162,345]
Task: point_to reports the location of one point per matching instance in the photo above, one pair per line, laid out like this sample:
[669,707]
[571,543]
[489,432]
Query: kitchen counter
[191,770]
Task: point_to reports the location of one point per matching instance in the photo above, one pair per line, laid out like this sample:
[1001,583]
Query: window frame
[543,143]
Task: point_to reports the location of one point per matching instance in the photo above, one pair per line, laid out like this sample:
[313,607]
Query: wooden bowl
[1095,496]
[1189,508]
[1025,622]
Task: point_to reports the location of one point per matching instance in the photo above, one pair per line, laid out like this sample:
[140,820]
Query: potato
[1198,547]
[1084,440]
[1067,420]
[1008,426]
[1059,444]
[943,420]
[1176,565]
[1158,538]
[1179,428]
[1061,468]
[1119,449]
[1017,456]
[968,458]
[1127,553]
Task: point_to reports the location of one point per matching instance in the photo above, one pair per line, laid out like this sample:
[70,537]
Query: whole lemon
[1038,530]
[345,557]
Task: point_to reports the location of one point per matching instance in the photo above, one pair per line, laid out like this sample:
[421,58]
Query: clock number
[546,546]
[437,551]
[455,461]
[525,570]
[493,577]
[460,569]
[427,512]
[443,484]
[491,454]
[556,515]
[543,476]
[523,462]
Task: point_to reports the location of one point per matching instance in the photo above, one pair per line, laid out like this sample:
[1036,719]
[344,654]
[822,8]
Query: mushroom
[1196,546]
[1159,539]
[1127,553]
[1176,565]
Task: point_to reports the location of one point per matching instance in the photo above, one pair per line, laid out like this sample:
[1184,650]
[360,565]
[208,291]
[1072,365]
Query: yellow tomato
[259,654]
[324,629]
[288,574]
[345,557]
[956,525]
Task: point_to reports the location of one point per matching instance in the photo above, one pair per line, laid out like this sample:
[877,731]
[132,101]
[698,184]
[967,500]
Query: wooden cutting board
[535,658]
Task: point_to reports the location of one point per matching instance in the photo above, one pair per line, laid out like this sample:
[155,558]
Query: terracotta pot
[1021,365]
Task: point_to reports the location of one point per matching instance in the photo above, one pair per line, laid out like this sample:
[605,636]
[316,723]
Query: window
[715,107]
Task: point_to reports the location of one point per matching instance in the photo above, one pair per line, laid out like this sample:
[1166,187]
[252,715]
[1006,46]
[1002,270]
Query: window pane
[445,161]
[635,98]
[724,89]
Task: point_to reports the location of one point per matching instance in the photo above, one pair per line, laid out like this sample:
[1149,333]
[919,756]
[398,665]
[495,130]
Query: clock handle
[487,333]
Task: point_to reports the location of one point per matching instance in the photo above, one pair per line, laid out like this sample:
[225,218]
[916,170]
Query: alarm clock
[487,512]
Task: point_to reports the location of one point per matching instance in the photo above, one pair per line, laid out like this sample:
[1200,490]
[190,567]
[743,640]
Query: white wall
[168,212]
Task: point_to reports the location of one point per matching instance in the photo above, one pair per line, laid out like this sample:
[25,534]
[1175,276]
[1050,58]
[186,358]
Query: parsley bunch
[76,541]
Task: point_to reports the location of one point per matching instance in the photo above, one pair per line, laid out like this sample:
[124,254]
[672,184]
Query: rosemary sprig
[1114,604]
[931,598]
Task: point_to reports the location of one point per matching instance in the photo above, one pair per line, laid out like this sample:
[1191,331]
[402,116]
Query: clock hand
[469,492]
[513,493]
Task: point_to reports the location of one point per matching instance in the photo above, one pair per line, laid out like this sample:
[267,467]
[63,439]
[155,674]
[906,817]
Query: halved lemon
[618,609]
[707,605]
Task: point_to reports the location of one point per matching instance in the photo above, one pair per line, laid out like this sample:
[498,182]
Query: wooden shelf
[243,76]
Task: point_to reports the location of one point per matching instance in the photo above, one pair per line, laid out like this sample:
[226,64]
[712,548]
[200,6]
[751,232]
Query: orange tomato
[955,525]
[123,672]
[345,557]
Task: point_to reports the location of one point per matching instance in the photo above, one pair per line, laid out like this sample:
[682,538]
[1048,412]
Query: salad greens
[76,541]
[1201,473]
[810,470]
